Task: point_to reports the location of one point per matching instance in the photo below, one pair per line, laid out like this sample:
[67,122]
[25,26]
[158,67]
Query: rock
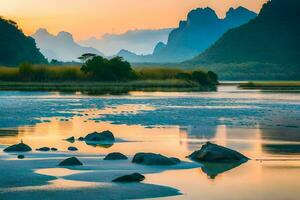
[135,177]
[54,149]
[72,161]
[215,153]
[21,156]
[72,149]
[115,156]
[71,139]
[154,159]
[81,138]
[21,147]
[43,149]
[105,136]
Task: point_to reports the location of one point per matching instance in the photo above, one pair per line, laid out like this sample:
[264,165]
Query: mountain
[272,38]
[61,47]
[138,41]
[201,29]
[15,47]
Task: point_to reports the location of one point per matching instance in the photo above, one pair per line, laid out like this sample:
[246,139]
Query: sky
[87,18]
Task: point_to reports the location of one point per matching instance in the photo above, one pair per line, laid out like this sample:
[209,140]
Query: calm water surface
[263,126]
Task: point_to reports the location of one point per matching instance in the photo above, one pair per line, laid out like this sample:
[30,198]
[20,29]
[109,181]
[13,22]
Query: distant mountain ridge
[61,47]
[201,29]
[138,41]
[272,38]
[15,47]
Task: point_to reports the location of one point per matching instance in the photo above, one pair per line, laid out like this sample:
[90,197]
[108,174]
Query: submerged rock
[72,161]
[154,159]
[71,139]
[116,156]
[72,149]
[105,136]
[215,153]
[135,177]
[21,147]
[43,149]
[21,156]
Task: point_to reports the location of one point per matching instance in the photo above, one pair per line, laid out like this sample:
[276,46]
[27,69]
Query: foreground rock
[72,161]
[72,149]
[154,159]
[105,136]
[215,153]
[71,139]
[115,156]
[54,149]
[43,149]
[135,177]
[21,147]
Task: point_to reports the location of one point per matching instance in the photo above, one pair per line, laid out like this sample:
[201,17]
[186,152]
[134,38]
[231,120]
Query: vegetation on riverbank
[272,85]
[101,75]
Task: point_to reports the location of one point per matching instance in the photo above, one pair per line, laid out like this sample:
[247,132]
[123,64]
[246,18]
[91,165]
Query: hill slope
[201,29]
[15,47]
[272,38]
[60,47]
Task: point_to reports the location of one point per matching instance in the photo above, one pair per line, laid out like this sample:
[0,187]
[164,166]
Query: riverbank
[272,85]
[172,85]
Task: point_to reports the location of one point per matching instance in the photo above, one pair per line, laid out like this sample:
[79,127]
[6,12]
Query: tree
[103,69]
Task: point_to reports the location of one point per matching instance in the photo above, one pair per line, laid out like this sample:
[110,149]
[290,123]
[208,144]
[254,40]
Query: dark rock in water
[21,156]
[154,159]
[72,161]
[135,177]
[105,136]
[72,149]
[54,149]
[215,153]
[71,139]
[43,149]
[81,138]
[115,156]
[21,147]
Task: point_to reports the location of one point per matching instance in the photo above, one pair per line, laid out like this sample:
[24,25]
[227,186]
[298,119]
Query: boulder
[21,147]
[71,139]
[72,149]
[43,149]
[154,159]
[21,156]
[116,156]
[53,149]
[105,136]
[135,177]
[72,161]
[215,153]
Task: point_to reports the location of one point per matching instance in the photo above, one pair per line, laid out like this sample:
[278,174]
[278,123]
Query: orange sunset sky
[87,18]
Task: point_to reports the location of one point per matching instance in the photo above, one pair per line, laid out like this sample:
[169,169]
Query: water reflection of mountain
[8,132]
[281,134]
[199,133]
[282,149]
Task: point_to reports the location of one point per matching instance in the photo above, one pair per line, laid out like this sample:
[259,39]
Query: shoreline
[108,87]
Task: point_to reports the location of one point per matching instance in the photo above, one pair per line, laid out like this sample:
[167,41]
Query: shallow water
[263,126]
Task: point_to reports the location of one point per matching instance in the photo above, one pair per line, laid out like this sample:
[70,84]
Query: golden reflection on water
[253,180]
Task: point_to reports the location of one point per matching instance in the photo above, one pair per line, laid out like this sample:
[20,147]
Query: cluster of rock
[209,153]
